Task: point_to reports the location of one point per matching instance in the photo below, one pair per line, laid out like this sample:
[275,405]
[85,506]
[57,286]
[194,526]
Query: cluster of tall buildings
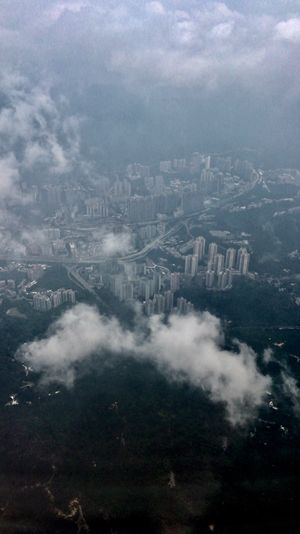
[149,231]
[105,196]
[155,287]
[134,283]
[121,188]
[191,264]
[168,166]
[211,182]
[199,161]
[137,170]
[96,207]
[220,268]
[55,196]
[45,301]
[42,242]
[202,162]
[164,303]
[147,208]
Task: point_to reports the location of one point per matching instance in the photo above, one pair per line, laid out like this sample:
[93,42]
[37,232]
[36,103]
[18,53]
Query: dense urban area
[149,267]
[146,232]
[207,243]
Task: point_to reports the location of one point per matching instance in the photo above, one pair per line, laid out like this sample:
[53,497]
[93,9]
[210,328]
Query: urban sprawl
[138,233]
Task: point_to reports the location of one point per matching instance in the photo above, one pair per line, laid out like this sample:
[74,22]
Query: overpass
[96,260]
[134,255]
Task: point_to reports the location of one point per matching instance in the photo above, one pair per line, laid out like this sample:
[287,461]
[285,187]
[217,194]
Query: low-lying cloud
[37,137]
[185,348]
[35,131]
[114,243]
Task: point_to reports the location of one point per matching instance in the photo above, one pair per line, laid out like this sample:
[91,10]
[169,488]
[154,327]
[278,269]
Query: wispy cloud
[34,128]
[289,30]
[114,243]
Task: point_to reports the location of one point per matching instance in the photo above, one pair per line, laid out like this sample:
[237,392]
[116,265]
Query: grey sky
[218,53]
[168,42]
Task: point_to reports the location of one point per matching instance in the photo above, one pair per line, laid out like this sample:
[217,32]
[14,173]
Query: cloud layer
[167,42]
[157,62]
[186,348]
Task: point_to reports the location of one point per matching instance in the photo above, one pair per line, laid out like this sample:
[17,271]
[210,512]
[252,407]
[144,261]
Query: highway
[134,255]
[157,241]
[83,284]
[99,259]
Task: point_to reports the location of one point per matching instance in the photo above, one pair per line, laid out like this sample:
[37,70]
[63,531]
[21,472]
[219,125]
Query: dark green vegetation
[142,454]
[249,303]
[274,232]
[55,277]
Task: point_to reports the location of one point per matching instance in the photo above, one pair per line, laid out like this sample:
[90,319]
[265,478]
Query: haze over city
[149,266]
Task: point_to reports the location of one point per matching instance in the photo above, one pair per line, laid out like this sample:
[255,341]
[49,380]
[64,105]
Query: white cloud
[185,348]
[56,11]
[209,48]
[145,44]
[35,132]
[155,7]
[78,334]
[114,243]
[222,30]
[291,389]
[93,34]
[9,245]
[120,243]
[288,30]
[30,117]
[268,355]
